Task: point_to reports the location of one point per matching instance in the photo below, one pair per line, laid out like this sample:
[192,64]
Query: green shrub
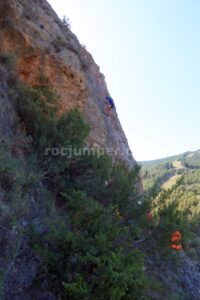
[89,252]
[13,173]
[170,218]
[9,169]
[93,257]
[77,289]
[38,109]
[107,182]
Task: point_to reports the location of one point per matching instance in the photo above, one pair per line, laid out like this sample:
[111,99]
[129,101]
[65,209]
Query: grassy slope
[170,159]
[178,178]
[171,182]
[165,172]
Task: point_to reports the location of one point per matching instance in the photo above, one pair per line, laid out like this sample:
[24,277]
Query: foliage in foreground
[95,258]
[88,253]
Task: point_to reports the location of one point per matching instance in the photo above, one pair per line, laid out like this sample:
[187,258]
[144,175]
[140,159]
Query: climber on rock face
[109,104]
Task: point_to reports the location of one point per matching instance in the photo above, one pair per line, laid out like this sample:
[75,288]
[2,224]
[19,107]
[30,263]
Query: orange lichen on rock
[43,46]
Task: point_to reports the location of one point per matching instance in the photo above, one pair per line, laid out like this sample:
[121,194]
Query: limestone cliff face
[43,45]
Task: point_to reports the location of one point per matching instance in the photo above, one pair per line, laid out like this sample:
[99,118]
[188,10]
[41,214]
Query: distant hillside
[173,183]
[164,173]
[192,160]
[153,163]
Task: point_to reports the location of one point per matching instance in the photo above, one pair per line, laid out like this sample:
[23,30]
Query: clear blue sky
[149,52]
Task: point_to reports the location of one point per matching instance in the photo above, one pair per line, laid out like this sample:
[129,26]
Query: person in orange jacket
[176,240]
[149,215]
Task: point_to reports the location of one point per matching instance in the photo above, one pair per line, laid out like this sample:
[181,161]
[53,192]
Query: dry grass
[172,181]
[178,164]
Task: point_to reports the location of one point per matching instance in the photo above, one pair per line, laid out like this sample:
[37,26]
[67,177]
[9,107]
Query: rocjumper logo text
[70,151]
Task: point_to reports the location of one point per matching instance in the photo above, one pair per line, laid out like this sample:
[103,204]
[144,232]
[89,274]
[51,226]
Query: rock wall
[43,45]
